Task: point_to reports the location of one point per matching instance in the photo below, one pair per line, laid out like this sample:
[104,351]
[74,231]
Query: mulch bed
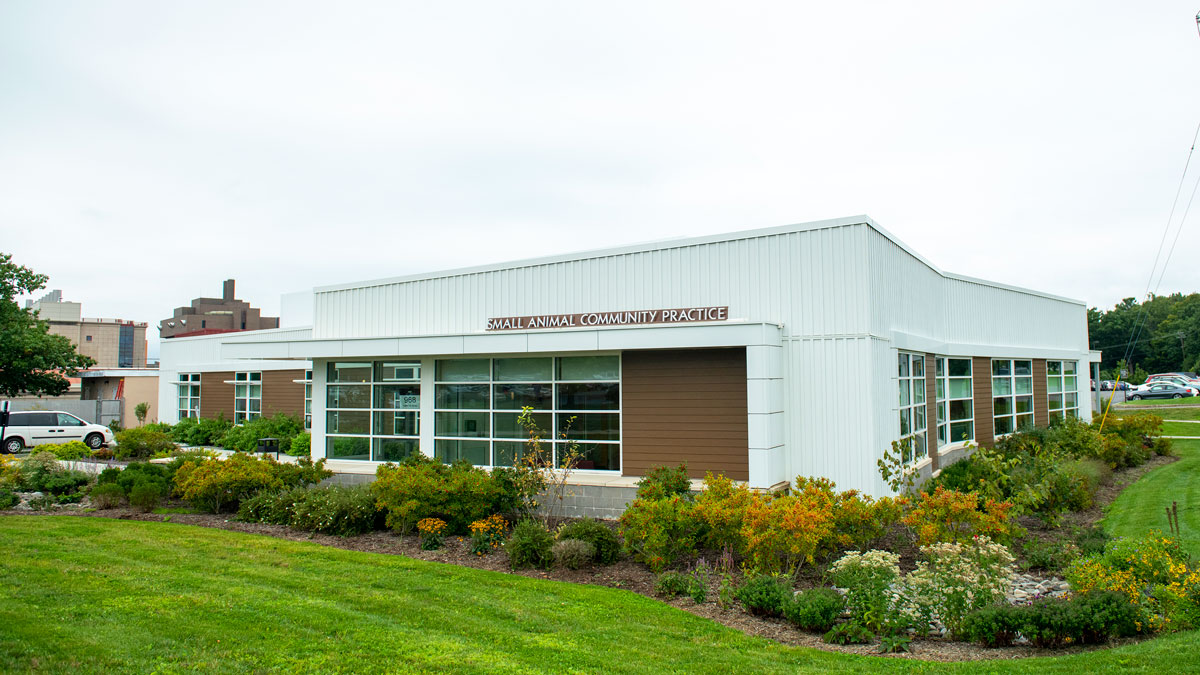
[635,577]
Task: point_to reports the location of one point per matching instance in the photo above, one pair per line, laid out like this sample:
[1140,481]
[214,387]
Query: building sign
[594,319]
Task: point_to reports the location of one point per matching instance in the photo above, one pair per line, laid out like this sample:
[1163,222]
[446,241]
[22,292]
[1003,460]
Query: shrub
[1052,555]
[42,473]
[245,437]
[433,533]
[603,540]
[765,595]
[102,453]
[995,626]
[947,515]
[815,610]
[1091,540]
[216,485]
[661,482]
[335,509]
[68,451]
[200,431]
[956,579]
[108,475]
[572,553]
[147,493]
[658,532]
[421,488]
[142,442]
[530,545]
[137,472]
[1050,622]
[301,445]
[849,633]
[785,532]
[275,507]
[1162,446]
[10,472]
[303,471]
[721,508]
[487,534]
[7,499]
[868,579]
[673,584]
[107,495]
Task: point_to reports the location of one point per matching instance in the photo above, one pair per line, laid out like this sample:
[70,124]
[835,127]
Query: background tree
[32,361]
[1169,338]
[140,411]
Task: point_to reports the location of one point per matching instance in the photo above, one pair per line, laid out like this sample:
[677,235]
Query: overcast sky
[149,150]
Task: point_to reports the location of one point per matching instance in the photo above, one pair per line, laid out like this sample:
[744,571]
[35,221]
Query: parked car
[1173,378]
[1162,390]
[33,428]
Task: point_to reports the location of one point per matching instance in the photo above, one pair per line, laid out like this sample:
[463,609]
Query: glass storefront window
[378,417]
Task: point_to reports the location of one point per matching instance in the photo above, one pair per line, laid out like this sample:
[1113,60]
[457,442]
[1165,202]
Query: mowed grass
[99,595]
[1141,506]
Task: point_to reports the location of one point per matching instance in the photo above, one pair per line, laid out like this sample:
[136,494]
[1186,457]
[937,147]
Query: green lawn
[1181,428]
[1153,402]
[99,595]
[1140,507]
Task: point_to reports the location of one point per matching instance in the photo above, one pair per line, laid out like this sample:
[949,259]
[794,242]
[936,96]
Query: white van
[37,427]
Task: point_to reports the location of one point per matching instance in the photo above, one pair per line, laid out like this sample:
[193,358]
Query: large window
[308,399]
[576,400]
[189,395]
[912,406]
[955,403]
[372,410]
[1062,389]
[1012,394]
[247,397]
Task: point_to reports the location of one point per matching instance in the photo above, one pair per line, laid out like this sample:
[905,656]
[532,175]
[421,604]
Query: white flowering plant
[956,579]
[870,580]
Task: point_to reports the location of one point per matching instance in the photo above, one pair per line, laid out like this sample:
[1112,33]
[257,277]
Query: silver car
[1161,390]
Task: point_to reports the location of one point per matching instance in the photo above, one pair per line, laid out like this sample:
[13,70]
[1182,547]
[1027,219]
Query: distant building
[207,316]
[131,386]
[114,343]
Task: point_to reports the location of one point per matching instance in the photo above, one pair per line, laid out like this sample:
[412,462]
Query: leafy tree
[140,411]
[32,361]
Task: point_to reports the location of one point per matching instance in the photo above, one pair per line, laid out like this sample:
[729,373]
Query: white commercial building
[766,354]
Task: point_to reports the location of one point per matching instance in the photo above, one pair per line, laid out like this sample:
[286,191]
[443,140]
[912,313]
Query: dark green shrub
[1109,615]
[599,535]
[765,595]
[338,510]
[7,499]
[137,472]
[301,445]
[815,610]
[200,431]
[572,553]
[459,494]
[993,626]
[962,476]
[658,532]
[1091,540]
[107,495]
[245,437]
[1051,622]
[109,475]
[141,443]
[147,494]
[661,482]
[849,633]
[274,508]
[530,545]
[43,473]
[1052,555]
[673,584]
[217,485]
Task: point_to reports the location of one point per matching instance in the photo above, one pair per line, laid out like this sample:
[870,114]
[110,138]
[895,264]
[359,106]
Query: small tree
[140,411]
[538,461]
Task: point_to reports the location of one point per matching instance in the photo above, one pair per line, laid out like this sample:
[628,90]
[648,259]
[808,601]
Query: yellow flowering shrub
[487,534]
[433,533]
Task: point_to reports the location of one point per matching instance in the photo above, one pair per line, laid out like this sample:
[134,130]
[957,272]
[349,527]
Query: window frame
[1014,419]
[1056,401]
[248,379]
[188,390]
[373,437]
[914,445]
[944,401]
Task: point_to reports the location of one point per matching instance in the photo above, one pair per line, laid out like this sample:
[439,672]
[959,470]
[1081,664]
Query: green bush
[765,595]
[147,494]
[572,553]
[850,633]
[422,488]
[7,499]
[661,482]
[245,437]
[337,510]
[994,626]
[200,431]
[109,475]
[142,442]
[274,508]
[673,584]
[1091,540]
[530,545]
[1051,555]
[815,610]
[137,472]
[42,473]
[221,485]
[600,536]
[67,451]
[301,445]
[107,495]
[658,532]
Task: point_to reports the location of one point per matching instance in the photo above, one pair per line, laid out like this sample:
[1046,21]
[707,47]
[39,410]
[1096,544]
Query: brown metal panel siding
[216,397]
[281,395]
[1041,403]
[685,406]
[981,381]
[931,442]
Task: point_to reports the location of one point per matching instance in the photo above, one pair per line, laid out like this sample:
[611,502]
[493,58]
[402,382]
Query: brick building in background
[207,316]
[114,343]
